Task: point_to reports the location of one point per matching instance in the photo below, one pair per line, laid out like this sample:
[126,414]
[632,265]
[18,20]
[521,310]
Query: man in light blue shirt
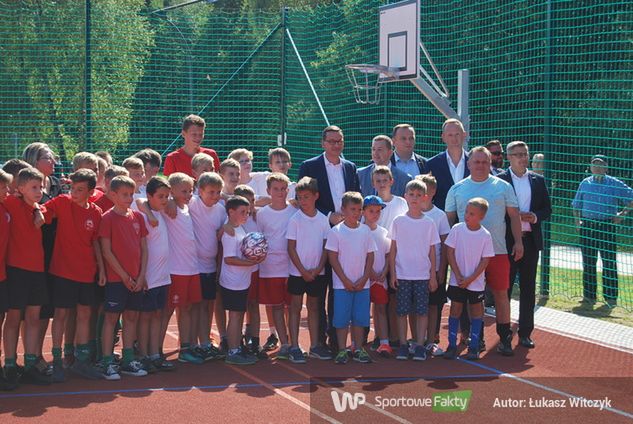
[404,158]
[597,211]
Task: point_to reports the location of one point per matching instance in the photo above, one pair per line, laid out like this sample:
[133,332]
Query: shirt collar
[398,158]
[328,163]
[516,176]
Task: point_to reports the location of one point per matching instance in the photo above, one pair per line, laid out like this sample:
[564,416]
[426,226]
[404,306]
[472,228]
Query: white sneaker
[434,349]
[134,368]
[110,373]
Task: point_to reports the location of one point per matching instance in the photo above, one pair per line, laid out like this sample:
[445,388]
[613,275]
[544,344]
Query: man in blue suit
[404,158]
[449,166]
[335,176]
[381,153]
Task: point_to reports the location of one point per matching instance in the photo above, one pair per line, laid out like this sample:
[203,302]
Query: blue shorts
[118,298]
[412,297]
[208,285]
[351,307]
[154,299]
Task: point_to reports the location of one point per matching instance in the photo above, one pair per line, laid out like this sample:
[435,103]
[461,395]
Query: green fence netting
[556,74]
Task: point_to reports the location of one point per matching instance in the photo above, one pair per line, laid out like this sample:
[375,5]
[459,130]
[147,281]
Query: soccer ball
[254,246]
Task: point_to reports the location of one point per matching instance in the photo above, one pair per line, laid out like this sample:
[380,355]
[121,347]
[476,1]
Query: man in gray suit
[381,151]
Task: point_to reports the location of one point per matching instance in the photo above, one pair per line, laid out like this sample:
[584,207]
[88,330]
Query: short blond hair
[381,170]
[115,171]
[133,163]
[276,176]
[278,151]
[427,179]
[480,203]
[178,178]
[229,163]
[453,121]
[122,181]
[210,179]
[85,158]
[238,153]
[415,185]
[351,198]
[201,159]
[244,190]
[307,184]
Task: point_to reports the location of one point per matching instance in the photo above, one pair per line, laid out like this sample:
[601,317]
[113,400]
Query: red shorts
[184,290]
[498,273]
[378,294]
[273,291]
[253,289]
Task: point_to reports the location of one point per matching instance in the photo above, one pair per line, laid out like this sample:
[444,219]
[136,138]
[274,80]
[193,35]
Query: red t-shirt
[103,202]
[5,218]
[96,195]
[77,227]
[125,234]
[25,239]
[179,161]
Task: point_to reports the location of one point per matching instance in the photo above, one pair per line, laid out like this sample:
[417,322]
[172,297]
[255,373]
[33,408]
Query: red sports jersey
[5,218]
[25,239]
[104,203]
[125,234]
[77,227]
[179,161]
[96,195]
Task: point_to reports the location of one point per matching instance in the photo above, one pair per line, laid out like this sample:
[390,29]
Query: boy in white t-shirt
[150,337]
[230,173]
[200,163]
[437,299]
[272,221]
[412,268]
[255,180]
[382,180]
[235,279]
[208,216]
[307,231]
[351,251]
[136,169]
[372,207]
[469,249]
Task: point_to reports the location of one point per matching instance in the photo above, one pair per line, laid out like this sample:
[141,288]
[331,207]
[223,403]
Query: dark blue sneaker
[403,352]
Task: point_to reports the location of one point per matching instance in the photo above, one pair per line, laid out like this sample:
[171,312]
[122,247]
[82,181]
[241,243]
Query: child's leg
[402,329]
[204,323]
[453,322]
[129,332]
[210,314]
[143,332]
[341,337]
[11,335]
[71,327]
[154,344]
[412,325]
[313,320]
[294,317]
[392,317]
[195,323]
[220,315]
[433,316]
[255,319]
[58,327]
[421,322]
[234,329]
[380,322]
[166,315]
[183,315]
[270,317]
[107,335]
[280,322]
[358,334]
[82,331]
[476,322]
[32,326]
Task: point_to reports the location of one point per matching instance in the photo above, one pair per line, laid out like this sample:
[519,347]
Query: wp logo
[345,400]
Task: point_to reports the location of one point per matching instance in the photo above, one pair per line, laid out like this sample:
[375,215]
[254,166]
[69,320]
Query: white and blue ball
[254,246]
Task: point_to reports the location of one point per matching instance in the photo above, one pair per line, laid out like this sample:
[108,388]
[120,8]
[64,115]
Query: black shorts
[438,297]
[4,296]
[154,299]
[234,300]
[26,288]
[208,284]
[99,294]
[68,293]
[297,286]
[118,298]
[457,294]
[48,309]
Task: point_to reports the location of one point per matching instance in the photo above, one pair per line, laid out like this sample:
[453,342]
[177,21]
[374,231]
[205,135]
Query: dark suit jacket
[420,160]
[315,168]
[438,166]
[540,204]
[400,180]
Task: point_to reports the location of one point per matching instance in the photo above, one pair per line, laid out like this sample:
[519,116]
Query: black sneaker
[271,343]
[5,385]
[472,355]
[450,352]
[162,364]
[12,376]
[33,376]
[148,365]
[505,348]
[224,347]
[258,352]
[204,352]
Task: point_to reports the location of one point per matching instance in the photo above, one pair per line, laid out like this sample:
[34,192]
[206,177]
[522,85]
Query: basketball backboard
[399,38]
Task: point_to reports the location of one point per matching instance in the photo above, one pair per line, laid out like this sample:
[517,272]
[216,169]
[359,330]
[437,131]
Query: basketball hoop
[367,81]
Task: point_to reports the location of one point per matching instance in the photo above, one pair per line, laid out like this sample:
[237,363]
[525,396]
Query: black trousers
[526,270]
[599,237]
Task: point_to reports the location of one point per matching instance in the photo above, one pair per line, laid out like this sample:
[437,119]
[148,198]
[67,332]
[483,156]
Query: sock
[453,328]
[9,362]
[106,360]
[57,355]
[69,349]
[128,355]
[29,360]
[185,346]
[255,341]
[504,331]
[384,341]
[475,329]
[92,347]
[83,352]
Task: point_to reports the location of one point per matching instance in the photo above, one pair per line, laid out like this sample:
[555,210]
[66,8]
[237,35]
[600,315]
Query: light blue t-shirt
[499,195]
[600,198]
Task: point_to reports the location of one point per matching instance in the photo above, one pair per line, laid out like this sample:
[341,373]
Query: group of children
[132,244]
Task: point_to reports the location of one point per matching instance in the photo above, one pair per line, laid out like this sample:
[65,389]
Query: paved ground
[569,257]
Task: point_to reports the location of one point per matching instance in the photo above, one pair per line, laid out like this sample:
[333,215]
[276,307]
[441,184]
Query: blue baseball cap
[374,200]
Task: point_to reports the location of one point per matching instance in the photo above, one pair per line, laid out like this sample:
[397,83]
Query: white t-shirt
[206,222]
[234,277]
[470,247]
[395,207]
[250,226]
[157,273]
[274,223]
[414,238]
[309,233]
[258,183]
[441,223]
[383,245]
[183,258]
[352,245]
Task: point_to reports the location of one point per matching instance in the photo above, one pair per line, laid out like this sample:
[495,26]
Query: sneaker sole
[187,361]
[419,359]
[320,357]
[134,374]
[300,361]
[111,378]
[402,358]
[239,363]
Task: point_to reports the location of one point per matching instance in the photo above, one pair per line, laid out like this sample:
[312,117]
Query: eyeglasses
[334,142]
[496,153]
[245,161]
[519,155]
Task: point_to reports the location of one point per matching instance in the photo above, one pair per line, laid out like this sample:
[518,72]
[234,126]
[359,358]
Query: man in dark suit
[335,176]
[534,207]
[404,158]
[381,153]
[449,166]
[496,151]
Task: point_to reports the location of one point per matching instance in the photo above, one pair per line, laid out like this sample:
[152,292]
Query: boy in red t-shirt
[122,235]
[5,180]
[192,134]
[75,263]
[25,276]
[103,199]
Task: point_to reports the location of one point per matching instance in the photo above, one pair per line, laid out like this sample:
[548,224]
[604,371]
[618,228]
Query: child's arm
[143,206]
[441,274]
[38,218]
[171,209]
[481,267]
[141,281]
[262,201]
[101,280]
[433,277]
[235,261]
[450,253]
[322,262]
[296,261]
[336,267]
[106,249]
[393,281]
[369,266]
